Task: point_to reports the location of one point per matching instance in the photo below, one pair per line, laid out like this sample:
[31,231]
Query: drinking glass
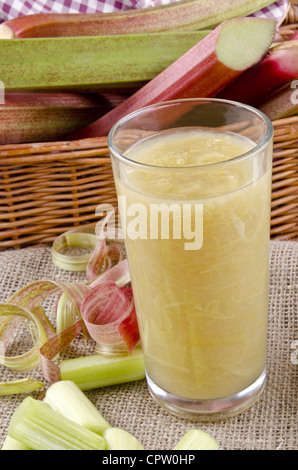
[197,231]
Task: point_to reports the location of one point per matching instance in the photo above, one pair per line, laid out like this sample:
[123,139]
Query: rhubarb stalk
[203,71]
[39,117]
[182,15]
[95,371]
[67,398]
[278,67]
[87,64]
[36,425]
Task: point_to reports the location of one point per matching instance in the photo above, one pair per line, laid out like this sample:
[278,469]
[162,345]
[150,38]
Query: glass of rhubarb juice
[193,180]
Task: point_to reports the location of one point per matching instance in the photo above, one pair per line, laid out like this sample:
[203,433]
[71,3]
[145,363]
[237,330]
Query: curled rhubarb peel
[53,347]
[102,309]
[72,239]
[109,315]
[65,313]
[103,256]
[26,304]
[30,359]
[118,273]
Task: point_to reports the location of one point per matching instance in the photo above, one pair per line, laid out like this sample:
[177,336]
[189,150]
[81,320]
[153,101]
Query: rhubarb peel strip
[30,359]
[104,254]
[36,292]
[53,347]
[20,386]
[47,344]
[109,315]
[119,274]
[71,239]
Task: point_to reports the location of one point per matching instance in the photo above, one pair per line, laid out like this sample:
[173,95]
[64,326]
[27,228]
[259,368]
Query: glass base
[208,410]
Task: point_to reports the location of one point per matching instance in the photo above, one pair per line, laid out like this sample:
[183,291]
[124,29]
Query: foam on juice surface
[189,148]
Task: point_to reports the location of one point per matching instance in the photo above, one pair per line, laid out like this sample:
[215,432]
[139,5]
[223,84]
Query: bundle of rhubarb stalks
[74,75]
[71,77]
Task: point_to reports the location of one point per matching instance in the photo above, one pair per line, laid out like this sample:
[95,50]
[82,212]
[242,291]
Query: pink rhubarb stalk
[187,15]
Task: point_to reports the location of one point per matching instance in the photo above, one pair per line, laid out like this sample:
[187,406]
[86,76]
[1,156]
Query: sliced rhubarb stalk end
[233,48]
[6,32]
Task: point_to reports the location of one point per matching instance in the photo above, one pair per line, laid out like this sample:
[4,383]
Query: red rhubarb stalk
[185,15]
[278,67]
[203,71]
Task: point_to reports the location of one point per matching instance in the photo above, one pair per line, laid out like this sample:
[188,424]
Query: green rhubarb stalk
[67,398]
[181,15]
[95,371]
[38,426]
[103,63]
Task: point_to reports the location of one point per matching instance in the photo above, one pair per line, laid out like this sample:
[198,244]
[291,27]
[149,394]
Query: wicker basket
[49,188]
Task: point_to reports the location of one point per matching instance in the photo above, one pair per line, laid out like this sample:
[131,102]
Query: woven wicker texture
[47,188]
[270,424]
[292,15]
[284,213]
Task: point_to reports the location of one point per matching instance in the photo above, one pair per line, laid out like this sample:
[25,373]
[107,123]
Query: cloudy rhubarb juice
[201,292]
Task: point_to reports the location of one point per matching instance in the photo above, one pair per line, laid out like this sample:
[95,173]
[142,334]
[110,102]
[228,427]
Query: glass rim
[264,142]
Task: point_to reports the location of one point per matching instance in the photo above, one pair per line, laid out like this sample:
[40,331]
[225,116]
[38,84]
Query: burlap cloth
[269,425]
